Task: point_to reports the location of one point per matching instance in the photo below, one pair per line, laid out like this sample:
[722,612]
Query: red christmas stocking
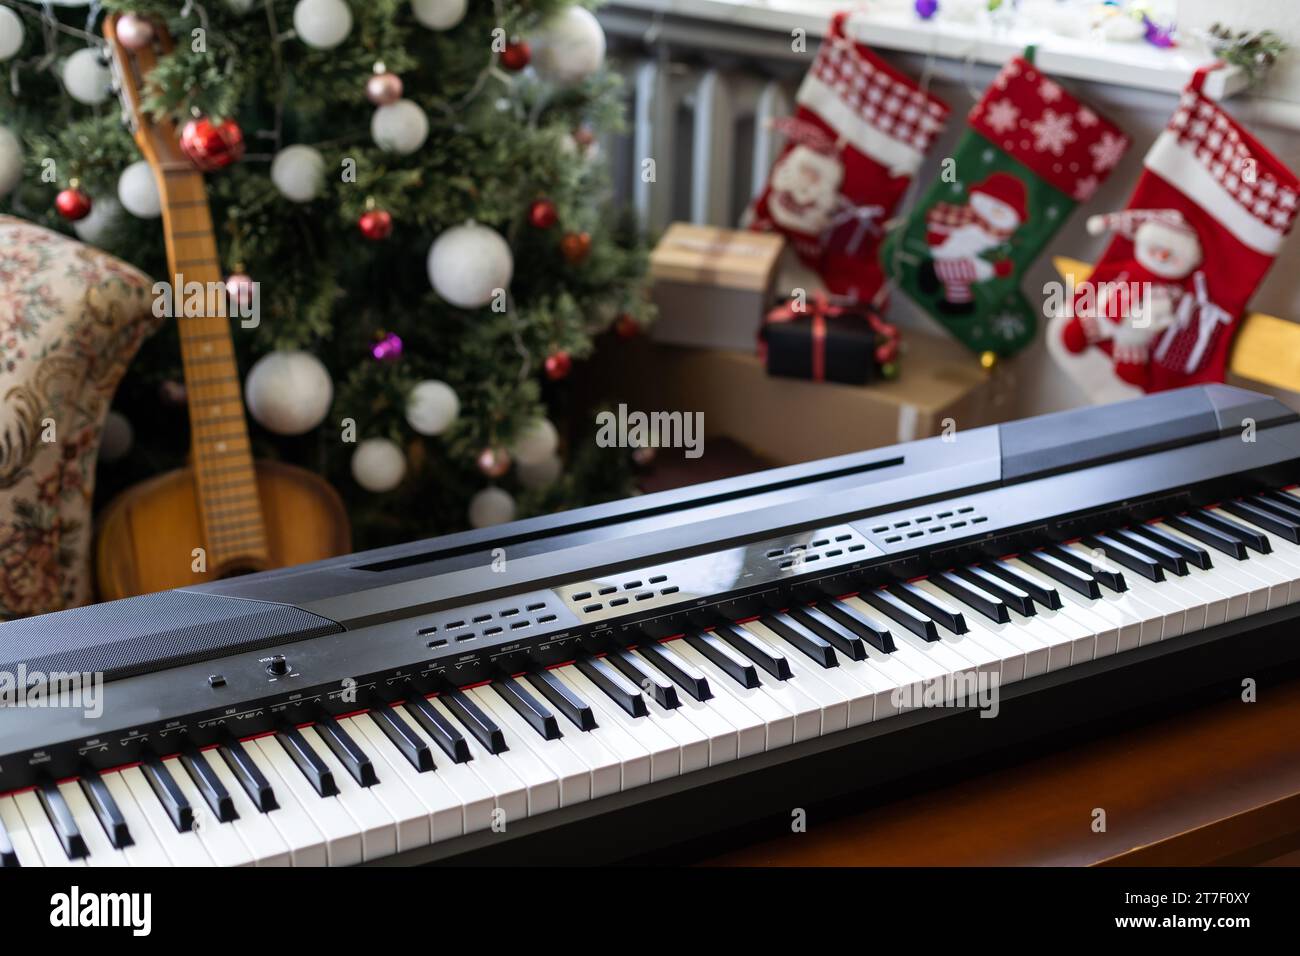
[1202,227]
[855,141]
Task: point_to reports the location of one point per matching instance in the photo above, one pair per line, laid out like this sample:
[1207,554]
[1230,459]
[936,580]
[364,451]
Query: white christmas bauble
[11,161]
[116,437]
[86,78]
[378,465]
[540,475]
[137,189]
[11,33]
[322,24]
[536,442]
[399,127]
[298,172]
[491,506]
[104,215]
[439,14]
[431,407]
[570,47]
[288,392]
[468,263]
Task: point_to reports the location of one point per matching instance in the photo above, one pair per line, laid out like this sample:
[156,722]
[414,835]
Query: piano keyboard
[366,786]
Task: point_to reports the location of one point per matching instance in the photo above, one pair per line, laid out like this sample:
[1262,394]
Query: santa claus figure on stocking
[959,237]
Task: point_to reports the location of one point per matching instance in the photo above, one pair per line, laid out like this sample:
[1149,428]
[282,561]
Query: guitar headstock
[156,136]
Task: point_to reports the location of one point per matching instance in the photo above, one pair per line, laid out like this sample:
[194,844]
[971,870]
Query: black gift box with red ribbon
[816,339]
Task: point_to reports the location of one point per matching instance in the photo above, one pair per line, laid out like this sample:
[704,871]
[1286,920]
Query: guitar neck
[231,511]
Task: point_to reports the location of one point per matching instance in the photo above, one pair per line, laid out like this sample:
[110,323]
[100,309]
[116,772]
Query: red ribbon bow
[820,308]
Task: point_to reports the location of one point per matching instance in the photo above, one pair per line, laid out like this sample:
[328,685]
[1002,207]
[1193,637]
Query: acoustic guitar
[223,514]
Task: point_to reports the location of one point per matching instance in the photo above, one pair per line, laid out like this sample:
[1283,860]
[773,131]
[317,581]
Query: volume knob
[277,666]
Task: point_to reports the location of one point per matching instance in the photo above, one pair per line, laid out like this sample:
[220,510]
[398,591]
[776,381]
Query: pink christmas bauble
[384,88]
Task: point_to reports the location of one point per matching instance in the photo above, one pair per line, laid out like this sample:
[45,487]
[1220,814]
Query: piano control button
[106,810]
[1275,520]
[614,685]
[444,733]
[1247,536]
[1095,564]
[404,739]
[169,794]
[724,658]
[816,620]
[860,623]
[817,648]
[249,776]
[1193,553]
[1169,559]
[660,690]
[900,612]
[744,643]
[679,671]
[209,785]
[302,753]
[61,819]
[475,721]
[1193,527]
[972,595]
[1130,557]
[355,760]
[1015,597]
[1080,582]
[562,698]
[1046,596]
[532,710]
[930,606]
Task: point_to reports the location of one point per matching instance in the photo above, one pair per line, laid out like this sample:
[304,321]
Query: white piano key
[441,804]
[146,848]
[553,761]
[476,798]
[414,825]
[379,837]
[633,759]
[1101,626]
[28,854]
[509,793]
[722,736]
[693,742]
[219,839]
[342,836]
[306,843]
[777,719]
[1283,561]
[182,848]
[1271,590]
[979,645]
[833,683]
[1221,579]
[258,833]
[602,764]
[665,753]
[41,831]
[750,728]
[1157,617]
[102,852]
[812,717]
[923,664]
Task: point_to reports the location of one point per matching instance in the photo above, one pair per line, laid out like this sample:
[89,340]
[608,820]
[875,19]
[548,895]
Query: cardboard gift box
[712,286]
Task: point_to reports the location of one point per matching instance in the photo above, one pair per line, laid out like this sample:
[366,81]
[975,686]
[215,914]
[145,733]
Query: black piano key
[931,607]
[532,710]
[972,595]
[563,698]
[660,688]
[1168,558]
[408,743]
[1081,582]
[348,752]
[1229,544]
[8,855]
[249,775]
[1126,556]
[678,669]
[831,631]
[209,785]
[804,638]
[444,733]
[1193,553]
[895,609]
[1041,593]
[614,685]
[724,658]
[1284,504]
[1107,577]
[864,625]
[1251,538]
[748,646]
[1262,517]
[106,810]
[315,769]
[1016,597]
[65,826]
[169,794]
[478,723]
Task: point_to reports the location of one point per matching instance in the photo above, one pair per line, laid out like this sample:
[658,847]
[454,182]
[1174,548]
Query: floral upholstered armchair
[71,319]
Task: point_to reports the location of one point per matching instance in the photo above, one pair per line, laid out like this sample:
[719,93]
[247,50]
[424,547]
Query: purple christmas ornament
[388,348]
[925,9]
[1158,36]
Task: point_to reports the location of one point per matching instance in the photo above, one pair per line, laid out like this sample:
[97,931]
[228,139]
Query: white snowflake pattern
[1087,118]
[1085,187]
[1048,91]
[1007,326]
[1053,132]
[988,156]
[1106,151]
[1001,116]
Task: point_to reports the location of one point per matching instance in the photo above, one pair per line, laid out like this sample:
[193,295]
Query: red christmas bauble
[240,287]
[72,204]
[384,88]
[575,246]
[376,224]
[626,327]
[542,214]
[558,365]
[211,146]
[493,462]
[516,55]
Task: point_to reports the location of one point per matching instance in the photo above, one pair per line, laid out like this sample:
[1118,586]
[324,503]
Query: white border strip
[898,157]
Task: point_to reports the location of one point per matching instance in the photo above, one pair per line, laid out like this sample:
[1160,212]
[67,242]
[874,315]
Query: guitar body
[148,533]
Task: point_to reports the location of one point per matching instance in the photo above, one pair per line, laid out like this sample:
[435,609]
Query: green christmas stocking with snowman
[1030,154]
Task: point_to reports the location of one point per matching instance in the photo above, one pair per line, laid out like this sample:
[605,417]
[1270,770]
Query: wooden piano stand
[1216,784]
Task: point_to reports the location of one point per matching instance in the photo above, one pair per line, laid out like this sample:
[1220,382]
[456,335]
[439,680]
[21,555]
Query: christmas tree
[413,193]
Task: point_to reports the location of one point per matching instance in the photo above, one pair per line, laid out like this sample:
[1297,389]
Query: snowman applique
[958,237]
